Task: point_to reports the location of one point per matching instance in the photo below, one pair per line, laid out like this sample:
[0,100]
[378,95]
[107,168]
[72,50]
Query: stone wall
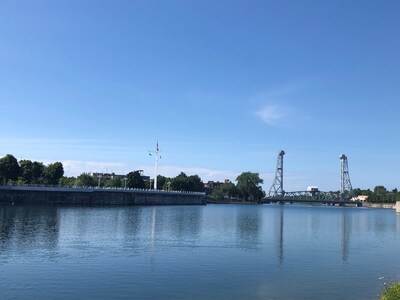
[80,196]
[380,205]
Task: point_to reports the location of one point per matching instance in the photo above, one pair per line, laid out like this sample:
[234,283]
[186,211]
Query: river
[197,252]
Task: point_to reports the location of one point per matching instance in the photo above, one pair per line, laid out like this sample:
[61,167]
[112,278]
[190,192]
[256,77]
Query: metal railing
[47,187]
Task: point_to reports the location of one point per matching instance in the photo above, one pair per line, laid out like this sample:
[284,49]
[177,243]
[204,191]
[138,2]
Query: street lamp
[125,179]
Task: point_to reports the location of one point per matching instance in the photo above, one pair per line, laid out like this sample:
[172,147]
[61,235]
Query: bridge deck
[329,198]
[308,200]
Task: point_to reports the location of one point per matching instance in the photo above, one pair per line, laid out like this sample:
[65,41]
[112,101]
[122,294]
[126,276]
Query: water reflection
[135,228]
[307,222]
[345,235]
[248,226]
[26,227]
[279,224]
[177,222]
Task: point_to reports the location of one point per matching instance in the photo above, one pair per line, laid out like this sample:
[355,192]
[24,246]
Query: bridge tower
[277,186]
[345,184]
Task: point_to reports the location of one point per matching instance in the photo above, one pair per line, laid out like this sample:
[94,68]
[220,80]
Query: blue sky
[223,85]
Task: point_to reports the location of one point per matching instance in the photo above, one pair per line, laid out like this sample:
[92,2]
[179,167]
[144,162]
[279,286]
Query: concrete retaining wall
[380,205]
[81,196]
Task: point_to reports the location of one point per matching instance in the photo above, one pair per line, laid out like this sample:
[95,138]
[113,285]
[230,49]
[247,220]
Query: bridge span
[343,198]
[327,198]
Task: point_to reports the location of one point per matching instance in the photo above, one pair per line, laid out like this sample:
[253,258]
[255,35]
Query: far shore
[379,205]
[365,204]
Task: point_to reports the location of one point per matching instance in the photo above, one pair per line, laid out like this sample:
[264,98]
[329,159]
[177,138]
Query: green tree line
[33,172]
[248,186]
[29,172]
[379,194]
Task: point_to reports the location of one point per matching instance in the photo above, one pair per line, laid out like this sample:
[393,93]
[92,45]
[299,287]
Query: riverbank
[391,293]
[238,201]
[230,202]
[379,205]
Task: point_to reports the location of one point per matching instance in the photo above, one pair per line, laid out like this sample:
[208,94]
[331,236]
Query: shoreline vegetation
[246,189]
[392,292]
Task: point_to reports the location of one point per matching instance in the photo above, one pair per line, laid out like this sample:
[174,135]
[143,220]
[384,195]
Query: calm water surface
[197,252]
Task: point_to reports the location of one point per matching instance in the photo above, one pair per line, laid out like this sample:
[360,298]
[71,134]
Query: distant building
[109,176]
[144,177]
[212,184]
[106,176]
[362,198]
[312,188]
[215,184]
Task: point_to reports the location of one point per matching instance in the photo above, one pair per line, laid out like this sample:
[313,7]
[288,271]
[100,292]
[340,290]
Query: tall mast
[155,168]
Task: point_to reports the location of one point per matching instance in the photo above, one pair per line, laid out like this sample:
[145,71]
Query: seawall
[93,196]
[380,205]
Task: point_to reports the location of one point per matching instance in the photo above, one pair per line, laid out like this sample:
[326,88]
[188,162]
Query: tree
[195,184]
[114,182]
[226,190]
[135,180]
[67,181]
[85,180]
[26,170]
[357,192]
[9,168]
[380,190]
[248,184]
[179,183]
[182,182]
[53,172]
[167,185]
[380,194]
[37,172]
[161,181]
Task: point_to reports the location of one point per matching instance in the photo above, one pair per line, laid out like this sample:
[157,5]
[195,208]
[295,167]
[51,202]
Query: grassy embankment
[391,292]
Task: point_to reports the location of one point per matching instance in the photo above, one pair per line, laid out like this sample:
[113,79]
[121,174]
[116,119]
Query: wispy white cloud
[205,174]
[77,167]
[281,103]
[271,114]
